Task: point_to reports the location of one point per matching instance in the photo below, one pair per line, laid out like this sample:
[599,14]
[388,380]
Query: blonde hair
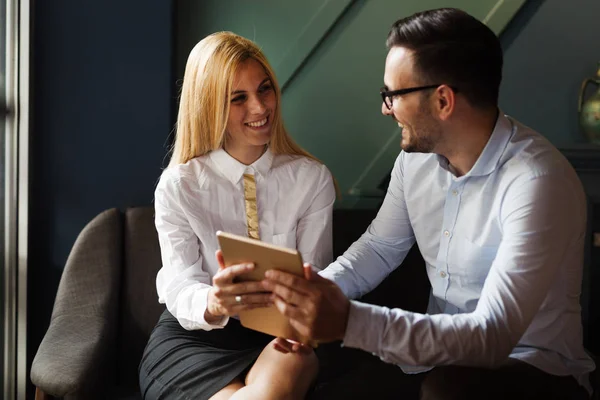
[206,96]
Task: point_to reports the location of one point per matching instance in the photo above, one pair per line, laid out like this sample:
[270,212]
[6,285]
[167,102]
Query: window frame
[15,138]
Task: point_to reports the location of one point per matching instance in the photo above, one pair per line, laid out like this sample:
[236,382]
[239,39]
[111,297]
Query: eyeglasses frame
[392,93]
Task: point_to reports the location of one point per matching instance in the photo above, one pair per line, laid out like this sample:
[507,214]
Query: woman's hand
[229,298]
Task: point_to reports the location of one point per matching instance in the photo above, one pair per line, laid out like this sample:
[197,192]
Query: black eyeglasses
[388,95]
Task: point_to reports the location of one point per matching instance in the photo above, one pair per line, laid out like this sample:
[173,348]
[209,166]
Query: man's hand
[316,307]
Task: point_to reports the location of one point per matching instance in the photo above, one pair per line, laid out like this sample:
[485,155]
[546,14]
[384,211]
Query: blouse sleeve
[182,284]
[314,230]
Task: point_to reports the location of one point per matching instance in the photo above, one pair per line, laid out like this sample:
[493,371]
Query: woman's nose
[256,105]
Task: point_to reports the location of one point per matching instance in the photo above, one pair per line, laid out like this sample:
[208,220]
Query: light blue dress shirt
[503,247]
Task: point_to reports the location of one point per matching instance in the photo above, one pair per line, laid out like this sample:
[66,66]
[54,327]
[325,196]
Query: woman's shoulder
[300,165]
[183,174]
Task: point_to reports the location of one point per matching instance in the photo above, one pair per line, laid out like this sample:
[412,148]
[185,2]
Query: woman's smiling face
[252,108]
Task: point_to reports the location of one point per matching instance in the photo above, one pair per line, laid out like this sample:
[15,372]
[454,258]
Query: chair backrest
[139,307]
[140,310]
[406,287]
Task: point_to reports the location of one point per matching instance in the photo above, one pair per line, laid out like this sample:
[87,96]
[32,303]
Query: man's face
[421,132]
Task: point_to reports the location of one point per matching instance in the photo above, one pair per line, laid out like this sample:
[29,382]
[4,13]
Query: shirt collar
[492,152]
[233,170]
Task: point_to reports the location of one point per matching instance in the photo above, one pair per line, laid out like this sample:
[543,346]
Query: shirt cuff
[366,323]
[365,329]
[327,273]
[200,305]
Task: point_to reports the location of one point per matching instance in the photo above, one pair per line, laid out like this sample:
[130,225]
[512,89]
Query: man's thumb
[311,275]
[308,272]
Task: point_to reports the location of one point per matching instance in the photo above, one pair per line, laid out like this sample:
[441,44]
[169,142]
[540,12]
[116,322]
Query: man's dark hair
[452,47]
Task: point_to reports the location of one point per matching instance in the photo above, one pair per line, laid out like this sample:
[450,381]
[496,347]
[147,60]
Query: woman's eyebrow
[259,85]
[264,80]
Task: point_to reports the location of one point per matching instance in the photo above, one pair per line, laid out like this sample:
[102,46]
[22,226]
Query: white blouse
[295,197]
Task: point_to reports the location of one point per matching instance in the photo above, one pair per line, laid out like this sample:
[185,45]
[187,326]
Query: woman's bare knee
[284,375]
[229,390]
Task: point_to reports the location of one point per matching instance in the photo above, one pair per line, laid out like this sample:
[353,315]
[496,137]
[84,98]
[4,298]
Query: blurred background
[105,76]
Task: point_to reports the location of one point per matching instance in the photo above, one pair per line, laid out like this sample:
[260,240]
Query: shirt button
[446,233]
[443,274]
[454,192]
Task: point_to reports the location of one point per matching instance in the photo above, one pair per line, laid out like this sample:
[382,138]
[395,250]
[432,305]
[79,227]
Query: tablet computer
[265,256]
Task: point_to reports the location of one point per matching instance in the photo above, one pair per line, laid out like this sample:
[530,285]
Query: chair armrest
[78,350]
[71,355]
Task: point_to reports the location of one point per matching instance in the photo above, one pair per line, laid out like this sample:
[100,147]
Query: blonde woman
[230,128]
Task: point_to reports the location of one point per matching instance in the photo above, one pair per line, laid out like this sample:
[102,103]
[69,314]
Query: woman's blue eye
[238,99]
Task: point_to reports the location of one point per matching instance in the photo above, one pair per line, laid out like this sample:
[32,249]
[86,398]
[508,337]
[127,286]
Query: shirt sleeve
[538,235]
[381,249]
[182,284]
[314,230]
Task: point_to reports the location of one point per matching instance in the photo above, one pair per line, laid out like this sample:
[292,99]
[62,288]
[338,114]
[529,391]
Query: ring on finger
[238,299]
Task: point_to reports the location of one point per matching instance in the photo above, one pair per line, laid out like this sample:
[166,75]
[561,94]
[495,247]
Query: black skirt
[181,364]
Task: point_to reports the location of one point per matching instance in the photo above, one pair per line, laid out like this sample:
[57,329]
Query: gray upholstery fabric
[81,338]
[108,291]
[140,309]
[105,309]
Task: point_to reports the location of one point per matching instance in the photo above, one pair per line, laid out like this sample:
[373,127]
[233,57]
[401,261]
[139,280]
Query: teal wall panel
[286,30]
[329,57]
[550,47]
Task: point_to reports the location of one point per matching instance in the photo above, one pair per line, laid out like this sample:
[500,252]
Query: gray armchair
[105,309]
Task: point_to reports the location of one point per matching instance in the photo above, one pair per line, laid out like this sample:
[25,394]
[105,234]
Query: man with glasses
[499,216]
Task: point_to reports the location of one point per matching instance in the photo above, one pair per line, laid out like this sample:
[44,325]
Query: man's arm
[538,236]
[381,248]
[538,233]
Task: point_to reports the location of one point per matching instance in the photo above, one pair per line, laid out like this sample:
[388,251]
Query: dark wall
[550,47]
[103,108]
[102,112]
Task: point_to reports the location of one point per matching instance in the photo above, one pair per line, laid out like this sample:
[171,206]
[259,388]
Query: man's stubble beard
[424,138]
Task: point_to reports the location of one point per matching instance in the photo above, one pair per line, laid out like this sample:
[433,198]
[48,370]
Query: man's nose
[385,110]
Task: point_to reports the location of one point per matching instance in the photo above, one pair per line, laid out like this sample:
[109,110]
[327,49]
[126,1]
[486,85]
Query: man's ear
[445,101]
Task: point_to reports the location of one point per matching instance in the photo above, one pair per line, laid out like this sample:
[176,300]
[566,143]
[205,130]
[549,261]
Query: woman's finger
[301,348]
[282,345]
[220,259]
[244,288]
[250,300]
[226,275]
